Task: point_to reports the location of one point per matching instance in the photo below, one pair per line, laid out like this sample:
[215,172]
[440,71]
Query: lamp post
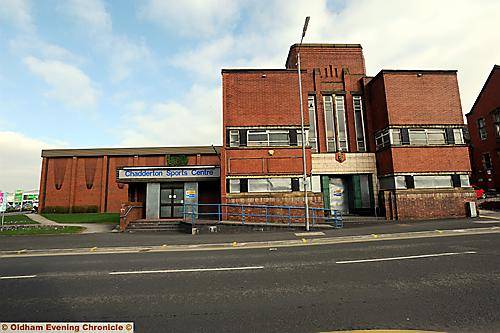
[304,165]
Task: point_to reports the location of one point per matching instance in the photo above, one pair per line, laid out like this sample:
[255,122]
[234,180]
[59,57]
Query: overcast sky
[95,73]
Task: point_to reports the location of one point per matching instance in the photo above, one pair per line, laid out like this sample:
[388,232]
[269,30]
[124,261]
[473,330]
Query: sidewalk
[90,228]
[108,239]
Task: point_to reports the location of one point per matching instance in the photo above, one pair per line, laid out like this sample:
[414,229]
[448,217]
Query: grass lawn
[85,218]
[17,219]
[43,230]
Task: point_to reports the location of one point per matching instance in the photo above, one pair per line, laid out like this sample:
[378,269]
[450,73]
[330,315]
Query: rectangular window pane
[234,186]
[257,138]
[341,122]
[482,128]
[464,181]
[279,138]
[458,136]
[436,136]
[330,125]
[280,184]
[234,138]
[396,136]
[312,123]
[417,137]
[487,161]
[432,181]
[257,185]
[358,119]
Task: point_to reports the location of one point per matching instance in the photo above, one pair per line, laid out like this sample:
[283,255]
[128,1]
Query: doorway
[171,200]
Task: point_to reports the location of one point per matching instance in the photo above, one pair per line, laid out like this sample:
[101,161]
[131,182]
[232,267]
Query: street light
[302,125]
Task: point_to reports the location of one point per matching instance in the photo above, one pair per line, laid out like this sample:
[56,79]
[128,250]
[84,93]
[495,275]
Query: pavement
[141,239]
[90,228]
[441,283]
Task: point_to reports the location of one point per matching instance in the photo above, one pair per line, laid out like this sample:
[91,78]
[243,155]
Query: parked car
[480,193]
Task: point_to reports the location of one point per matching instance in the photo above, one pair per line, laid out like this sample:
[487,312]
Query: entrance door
[171,200]
[338,195]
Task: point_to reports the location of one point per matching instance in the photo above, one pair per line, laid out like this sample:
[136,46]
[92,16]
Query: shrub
[56,209]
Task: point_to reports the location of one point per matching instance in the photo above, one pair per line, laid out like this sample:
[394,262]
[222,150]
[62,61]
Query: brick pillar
[43,185]
[72,185]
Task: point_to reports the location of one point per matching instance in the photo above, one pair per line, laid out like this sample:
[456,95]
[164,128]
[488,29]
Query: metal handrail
[246,213]
[125,223]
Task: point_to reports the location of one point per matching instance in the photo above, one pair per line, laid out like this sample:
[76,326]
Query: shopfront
[171,192]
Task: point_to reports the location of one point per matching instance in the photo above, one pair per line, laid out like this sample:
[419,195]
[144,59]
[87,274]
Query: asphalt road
[443,284]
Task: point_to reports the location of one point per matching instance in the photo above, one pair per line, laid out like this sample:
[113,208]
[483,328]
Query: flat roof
[327,45]
[187,150]
[257,70]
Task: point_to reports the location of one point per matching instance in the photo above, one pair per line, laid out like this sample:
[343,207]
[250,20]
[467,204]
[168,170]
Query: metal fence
[260,214]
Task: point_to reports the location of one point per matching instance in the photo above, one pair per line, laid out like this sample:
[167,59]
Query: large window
[430,136]
[382,139]
[418,137]
[481,126]
[496,122]
[436,181]
[313,142]
[360,126]
[268,138]
[458,136]
[269,185]
[487,161]
[341,122]
[330,124]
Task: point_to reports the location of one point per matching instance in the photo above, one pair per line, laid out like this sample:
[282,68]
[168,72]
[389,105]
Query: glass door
[171,200]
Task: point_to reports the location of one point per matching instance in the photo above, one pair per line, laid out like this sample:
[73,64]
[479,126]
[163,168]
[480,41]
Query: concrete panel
[191,195]
[355,163]
[153,201]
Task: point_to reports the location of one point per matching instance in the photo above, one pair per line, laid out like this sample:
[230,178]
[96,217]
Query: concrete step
[156,225]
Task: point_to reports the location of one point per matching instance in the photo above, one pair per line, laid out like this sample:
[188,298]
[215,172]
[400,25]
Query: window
[392,182]
[341,123]
[435,181]
[458,136]
[481,126]
[234,186]
[496,122]
[382,139]
[234,138]
[487,161]
[329,122]
[464,181]
[312,123]
[418,137]
[359,122]
[266,138]
[395,136]
[269,185]
[436,136]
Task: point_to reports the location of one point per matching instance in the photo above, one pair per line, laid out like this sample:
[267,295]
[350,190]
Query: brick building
[390,144]
[484,127]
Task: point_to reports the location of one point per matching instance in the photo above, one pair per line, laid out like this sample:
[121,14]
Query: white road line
[406,257]
[17,277]
[317,233]
[189,270]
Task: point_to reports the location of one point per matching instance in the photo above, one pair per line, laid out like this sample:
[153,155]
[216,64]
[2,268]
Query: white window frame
[267,142]
[231,142]
[339,108]
[331,142]
[313,141]
[359,109]
[481,127]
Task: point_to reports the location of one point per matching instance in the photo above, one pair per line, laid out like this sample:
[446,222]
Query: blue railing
[260,214]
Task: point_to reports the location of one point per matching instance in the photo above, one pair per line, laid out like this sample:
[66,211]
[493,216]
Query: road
[442,284]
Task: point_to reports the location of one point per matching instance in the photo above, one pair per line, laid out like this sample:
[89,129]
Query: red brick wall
[419,204]
[423,159]
[76,175]
[487,101]
[432,98]
[249,99]
[249,161]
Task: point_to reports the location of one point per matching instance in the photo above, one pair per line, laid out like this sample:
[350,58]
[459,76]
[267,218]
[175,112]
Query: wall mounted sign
[166,173]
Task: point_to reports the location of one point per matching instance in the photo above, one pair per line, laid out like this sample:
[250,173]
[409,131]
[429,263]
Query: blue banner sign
[137,173]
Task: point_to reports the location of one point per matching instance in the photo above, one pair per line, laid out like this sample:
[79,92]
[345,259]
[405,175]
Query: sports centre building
[391,145]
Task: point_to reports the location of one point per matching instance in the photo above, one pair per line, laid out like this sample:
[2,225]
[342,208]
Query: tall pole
[304,164]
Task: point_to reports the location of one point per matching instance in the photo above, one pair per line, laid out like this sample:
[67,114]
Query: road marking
[316,233]
[405,257]
[17,277]
[189,270]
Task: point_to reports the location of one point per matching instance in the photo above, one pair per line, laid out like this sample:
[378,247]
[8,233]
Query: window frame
[311,140]
[481,128]
[267,142]
[359,110]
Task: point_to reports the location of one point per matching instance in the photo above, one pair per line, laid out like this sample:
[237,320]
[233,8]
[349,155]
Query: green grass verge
[84,218]
[43,230]
[17,219]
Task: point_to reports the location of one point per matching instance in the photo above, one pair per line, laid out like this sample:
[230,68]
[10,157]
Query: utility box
[471,209]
